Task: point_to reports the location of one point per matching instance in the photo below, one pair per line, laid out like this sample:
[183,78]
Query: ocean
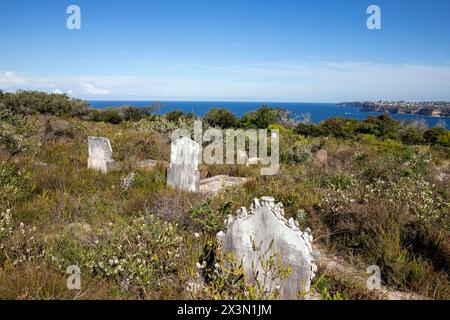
[316,112]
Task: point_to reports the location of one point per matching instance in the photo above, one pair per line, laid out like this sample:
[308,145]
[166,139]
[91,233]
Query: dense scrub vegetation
[383,127]
[382,197]
[31,102]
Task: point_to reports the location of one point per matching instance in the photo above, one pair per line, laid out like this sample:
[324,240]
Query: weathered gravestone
[264,224]
[183,170]
[100,154]
[322,157]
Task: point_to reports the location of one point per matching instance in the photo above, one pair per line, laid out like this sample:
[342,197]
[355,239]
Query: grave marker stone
[100,154]
[183,170]
[262,224]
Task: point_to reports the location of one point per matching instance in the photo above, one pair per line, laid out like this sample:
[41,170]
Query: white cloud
[90,89]
[9,79]
[271,81]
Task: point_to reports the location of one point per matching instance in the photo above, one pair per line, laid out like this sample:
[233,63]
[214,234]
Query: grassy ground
[374,202]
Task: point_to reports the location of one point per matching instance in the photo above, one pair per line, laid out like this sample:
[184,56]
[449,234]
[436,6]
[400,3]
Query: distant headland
[430,109]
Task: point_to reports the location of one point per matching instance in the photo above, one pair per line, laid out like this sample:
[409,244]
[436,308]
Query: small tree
[413,136]
[222,118]
[436,136]
[174,115]
[261,118]
[265,116]
[134,114]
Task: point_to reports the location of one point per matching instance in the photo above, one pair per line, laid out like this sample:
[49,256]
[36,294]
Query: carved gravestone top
[100,148]
[183,170]
[184,151]
[265,225]
[100,154]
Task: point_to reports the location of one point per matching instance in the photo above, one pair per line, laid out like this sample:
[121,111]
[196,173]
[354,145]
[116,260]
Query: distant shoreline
[434,109]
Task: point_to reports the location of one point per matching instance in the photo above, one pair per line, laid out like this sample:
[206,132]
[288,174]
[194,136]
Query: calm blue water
[316,111]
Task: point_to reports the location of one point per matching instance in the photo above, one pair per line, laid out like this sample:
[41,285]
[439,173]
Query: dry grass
[31,282]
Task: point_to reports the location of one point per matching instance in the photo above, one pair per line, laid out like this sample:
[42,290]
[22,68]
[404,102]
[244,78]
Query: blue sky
[244,50]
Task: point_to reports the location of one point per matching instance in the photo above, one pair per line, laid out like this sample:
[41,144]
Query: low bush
[138,253]
[15,185]
[19,243]
[437,136]
[259,119]
[34,102]
[209,219]
[176,115]
[110,115]
[221,118]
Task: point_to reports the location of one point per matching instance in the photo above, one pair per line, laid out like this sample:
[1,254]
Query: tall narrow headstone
[264,225]
[100,154]
[183,170]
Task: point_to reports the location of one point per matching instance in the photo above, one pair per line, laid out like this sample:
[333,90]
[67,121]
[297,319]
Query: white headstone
[262,224]
[183,170]
[100,154]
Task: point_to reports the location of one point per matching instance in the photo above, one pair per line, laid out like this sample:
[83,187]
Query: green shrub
[174,115]
[298,153]
[19,243]
[340,127]
[134,114]
[222,118]
[341,181]
[259,119]
[8,115]
[110,115]
[10,140]
[33,102]
[308,130]
[325,287]
[15,185]
[384,127]
[12,129]
[135,253]
[209,219]
[438,136]
[413,136]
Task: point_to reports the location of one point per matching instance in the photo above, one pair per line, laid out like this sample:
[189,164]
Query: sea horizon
[315,111]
